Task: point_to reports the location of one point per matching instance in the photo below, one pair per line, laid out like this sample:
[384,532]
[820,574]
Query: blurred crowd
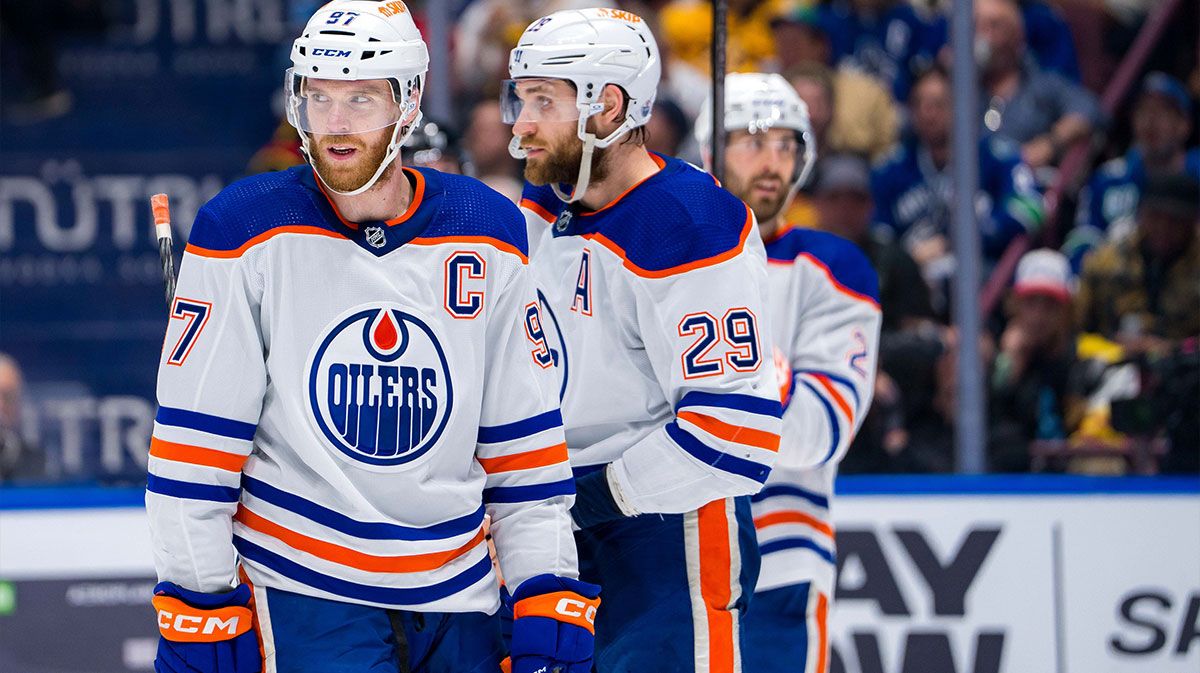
[1092,353]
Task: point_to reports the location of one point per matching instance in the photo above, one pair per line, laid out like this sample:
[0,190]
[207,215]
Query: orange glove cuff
[564,606]
[182,623]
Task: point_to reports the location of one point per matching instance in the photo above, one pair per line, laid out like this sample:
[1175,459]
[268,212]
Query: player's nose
[339,120]
[523,127]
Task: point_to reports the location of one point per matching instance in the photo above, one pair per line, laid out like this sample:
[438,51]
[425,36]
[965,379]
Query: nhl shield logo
[564,219]
[379,385]
[375,237]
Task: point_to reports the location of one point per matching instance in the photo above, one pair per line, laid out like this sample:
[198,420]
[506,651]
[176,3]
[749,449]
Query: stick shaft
[719,13]
[160,207]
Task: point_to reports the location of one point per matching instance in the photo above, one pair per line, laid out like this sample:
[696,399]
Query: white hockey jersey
[654,310]
[341,404]
[825,308]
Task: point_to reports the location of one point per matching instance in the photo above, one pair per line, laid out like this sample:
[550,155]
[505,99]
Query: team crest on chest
[375,237]
[379,385]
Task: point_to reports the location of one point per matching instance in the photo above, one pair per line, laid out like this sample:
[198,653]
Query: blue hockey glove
[205,633]
[554,626]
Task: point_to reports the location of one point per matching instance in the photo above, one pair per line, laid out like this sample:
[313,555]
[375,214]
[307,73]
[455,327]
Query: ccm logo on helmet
[335,53]
[181,623]
[393,8]
[570,607]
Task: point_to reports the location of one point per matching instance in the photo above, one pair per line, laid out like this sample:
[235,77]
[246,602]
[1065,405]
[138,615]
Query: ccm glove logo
[573,607]
[562,606]
[182,623]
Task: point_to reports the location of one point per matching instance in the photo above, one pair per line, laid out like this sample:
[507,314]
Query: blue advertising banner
[169,96]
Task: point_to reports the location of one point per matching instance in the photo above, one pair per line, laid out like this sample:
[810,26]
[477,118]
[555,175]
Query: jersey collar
[381,237]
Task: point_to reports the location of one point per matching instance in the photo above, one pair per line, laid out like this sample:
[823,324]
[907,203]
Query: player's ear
[614,104]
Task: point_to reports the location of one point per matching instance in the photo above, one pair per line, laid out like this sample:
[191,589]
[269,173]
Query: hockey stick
[162,226]
[719,35]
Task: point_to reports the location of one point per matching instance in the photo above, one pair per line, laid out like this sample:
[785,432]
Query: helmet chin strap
[399,136]
[585,172]
[590,143]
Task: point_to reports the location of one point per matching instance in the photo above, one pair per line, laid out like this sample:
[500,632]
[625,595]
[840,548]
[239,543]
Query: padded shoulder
[847,265]
[471,209]
[678,221]
[254,206]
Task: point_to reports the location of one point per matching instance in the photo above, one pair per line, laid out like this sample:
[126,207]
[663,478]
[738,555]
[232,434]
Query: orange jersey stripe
[551,455]
[793,517]
[834,281]
[838,398]
[479,240]
[538,210]
[682,268]
[822,635]
[716,578]
[732,433]
[196,455]
[349,557]
[262,238]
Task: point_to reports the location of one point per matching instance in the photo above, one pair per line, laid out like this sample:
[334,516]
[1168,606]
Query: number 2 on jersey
[738,329]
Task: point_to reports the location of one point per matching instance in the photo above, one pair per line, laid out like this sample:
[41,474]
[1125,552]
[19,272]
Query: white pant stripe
[691,542]
[264,629]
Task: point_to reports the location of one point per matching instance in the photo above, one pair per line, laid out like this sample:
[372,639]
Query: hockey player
[653,290]
[353,376]
[825,313]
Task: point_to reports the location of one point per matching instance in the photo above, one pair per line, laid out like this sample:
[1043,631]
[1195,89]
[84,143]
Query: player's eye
[543,102]
[318,98]
[361,99]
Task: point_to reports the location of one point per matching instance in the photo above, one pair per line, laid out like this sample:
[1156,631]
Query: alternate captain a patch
[379,385]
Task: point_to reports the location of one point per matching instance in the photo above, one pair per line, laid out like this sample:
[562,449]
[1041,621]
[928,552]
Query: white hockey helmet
[360,40]
[755,102]
[591,48]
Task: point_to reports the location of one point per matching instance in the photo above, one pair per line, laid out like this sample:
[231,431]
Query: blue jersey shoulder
[471,208]
[677,217]
[253,206]
[542,200]
[846,262]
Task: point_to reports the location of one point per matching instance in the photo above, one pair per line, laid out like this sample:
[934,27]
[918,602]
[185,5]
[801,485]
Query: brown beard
[349,178]
[561,164]
[764,209]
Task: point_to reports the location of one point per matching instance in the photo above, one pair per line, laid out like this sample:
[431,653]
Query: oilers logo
[379,386]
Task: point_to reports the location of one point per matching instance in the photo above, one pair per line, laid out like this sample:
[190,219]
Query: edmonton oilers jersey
[342,403]
[825,312]
[654,311]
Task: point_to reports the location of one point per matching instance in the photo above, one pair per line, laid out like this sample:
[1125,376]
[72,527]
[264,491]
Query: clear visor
[341,107]
[794,144]
[538,100]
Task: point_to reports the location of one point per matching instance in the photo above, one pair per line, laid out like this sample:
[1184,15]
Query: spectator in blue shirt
[1043,111]
[1049,39]
[1161,123]
[913,189]
[884,38]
